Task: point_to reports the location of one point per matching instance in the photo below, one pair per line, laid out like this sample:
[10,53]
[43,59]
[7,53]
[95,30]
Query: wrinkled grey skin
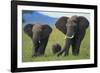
[39,35]
[74,28]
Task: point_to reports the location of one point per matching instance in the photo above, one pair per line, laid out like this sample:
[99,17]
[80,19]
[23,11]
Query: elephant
[56,48]
[74,28]
[39,35]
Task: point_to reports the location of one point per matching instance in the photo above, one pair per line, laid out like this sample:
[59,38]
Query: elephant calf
[74,29]
[56,48]
[39,35]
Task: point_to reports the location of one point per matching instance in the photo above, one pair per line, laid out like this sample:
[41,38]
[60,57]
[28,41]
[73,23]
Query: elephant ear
[83,22]
[28,29]
[46,31]
[61,24]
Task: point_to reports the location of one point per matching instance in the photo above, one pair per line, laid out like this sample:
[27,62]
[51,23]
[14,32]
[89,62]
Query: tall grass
[55,37]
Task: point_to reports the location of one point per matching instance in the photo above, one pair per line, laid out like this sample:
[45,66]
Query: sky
[59,14]
[49,18]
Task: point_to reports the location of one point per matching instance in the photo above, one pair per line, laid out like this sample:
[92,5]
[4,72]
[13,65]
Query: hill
[37,18]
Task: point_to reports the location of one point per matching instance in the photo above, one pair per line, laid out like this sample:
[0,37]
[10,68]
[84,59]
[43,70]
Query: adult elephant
[39,35]
[74,28]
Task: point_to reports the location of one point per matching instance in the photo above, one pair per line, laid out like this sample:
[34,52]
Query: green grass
[56,36]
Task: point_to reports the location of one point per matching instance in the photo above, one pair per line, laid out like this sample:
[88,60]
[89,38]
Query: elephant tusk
[69,37]
[65,37]
[39,41]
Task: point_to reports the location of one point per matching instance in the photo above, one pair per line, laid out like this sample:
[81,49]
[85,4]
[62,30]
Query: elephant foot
[34,55]
[75,54]
[66,54]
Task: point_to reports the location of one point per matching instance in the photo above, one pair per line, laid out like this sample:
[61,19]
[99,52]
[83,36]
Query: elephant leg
[35,48]
[76,42]
[42,46]
[76,47]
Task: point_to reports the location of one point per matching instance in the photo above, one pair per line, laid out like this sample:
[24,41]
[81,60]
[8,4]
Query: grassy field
[54,38]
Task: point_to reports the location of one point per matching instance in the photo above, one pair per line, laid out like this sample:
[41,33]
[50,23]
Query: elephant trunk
[36,37]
